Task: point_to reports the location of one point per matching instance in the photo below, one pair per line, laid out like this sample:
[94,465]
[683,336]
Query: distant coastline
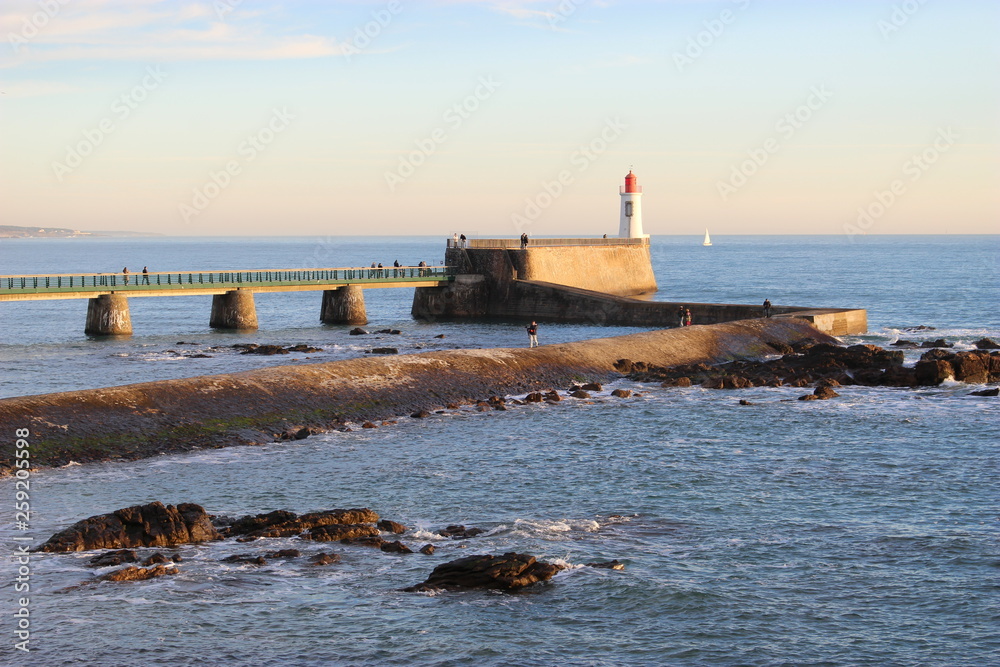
[15,232]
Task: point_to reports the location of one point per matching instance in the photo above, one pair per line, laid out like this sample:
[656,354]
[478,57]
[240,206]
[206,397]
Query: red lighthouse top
[630,185]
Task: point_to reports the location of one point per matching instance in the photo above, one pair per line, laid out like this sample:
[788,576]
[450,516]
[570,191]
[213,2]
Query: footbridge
[232,291]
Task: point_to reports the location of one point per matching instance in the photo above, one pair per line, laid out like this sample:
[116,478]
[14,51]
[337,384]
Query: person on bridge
[532,330]
[125,273]
[145,275]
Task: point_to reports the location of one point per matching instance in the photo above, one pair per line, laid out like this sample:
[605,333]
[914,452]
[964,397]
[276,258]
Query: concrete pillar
[107,315]
[344,305]
[233,310]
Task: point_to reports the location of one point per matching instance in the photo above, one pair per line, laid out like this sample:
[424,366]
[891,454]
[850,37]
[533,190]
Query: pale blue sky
[363,138]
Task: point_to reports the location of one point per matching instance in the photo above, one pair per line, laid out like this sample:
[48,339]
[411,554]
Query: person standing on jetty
[145,275]
[767,308]
[687,317]
[680,316]
[532,330]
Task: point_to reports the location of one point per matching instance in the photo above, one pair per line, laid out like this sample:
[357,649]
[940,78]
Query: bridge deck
[90,285]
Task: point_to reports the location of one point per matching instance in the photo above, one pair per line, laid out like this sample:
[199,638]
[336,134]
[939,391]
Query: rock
[199,356]
[580,393]
[622,393]
[133,573]
[457,532]
[553,397]
[677,382]
[391,527]
[324,558]
[308,349]
[534,397]
[986,344]
[427,549]
[383,350]
[824,393]
[284,553]
[421,414]
[624,366]
[919,327]
[936,354]
[152,525]
[357,331]
[156,559]
[439,336]
[507,572]
[374,541]
[113,558]
[282,523]
[987,392]
[744,401]
[394,332]
[249,559]
[909,344]
[781,348]
[341,532]
[592,386]
[609,565]
[940,342]
[369,425]
[932,372]
[266,350]
[396,547]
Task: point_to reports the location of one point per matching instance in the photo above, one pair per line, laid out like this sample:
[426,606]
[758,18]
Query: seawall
[140,420]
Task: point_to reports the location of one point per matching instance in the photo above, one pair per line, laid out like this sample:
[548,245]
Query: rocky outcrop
[152,525]
[457,532]
[507,572]
[133,573]
[827,365]
[341,532]
[282,523]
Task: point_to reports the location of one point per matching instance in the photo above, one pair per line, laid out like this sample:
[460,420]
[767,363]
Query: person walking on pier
[125,273]
[680,316]
[145,275]
[532,330]
[767,308]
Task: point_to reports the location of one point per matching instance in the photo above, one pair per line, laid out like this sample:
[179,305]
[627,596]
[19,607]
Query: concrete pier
[234,310]
[108,315]
[345,305]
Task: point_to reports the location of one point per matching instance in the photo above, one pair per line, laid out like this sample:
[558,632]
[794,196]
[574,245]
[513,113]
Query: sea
[863,530]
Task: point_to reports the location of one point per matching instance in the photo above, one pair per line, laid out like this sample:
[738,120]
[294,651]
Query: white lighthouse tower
[630,222]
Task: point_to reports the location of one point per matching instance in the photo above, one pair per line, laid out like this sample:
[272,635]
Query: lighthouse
[630,222]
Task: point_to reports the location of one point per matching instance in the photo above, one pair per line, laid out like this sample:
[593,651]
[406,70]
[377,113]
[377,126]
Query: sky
[497,117]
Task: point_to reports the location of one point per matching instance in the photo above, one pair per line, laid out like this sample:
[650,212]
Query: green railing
[87,282]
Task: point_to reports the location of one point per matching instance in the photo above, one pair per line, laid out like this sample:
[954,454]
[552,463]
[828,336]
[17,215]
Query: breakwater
[140,420]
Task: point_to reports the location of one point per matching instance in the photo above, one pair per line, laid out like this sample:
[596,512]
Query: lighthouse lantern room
[630,225]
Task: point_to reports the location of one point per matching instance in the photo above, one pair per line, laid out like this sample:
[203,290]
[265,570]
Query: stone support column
[107,315]
[344,305]
[234,310]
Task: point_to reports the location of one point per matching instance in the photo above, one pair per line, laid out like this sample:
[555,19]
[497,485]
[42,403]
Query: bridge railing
[543,242]
[184,279]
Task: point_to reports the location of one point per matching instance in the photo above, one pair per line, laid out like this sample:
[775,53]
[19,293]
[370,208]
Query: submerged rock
[457,532]
[324,558]
[133,573]
[114,558]
[152,525]
[609,565]
[510,571]
[987,344]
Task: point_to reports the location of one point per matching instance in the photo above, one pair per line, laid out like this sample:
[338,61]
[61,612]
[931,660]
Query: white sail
[708,239]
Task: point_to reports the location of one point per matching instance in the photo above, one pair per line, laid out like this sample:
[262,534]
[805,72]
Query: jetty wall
[140,420]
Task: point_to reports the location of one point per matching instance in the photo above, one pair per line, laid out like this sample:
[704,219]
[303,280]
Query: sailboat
[708,239]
